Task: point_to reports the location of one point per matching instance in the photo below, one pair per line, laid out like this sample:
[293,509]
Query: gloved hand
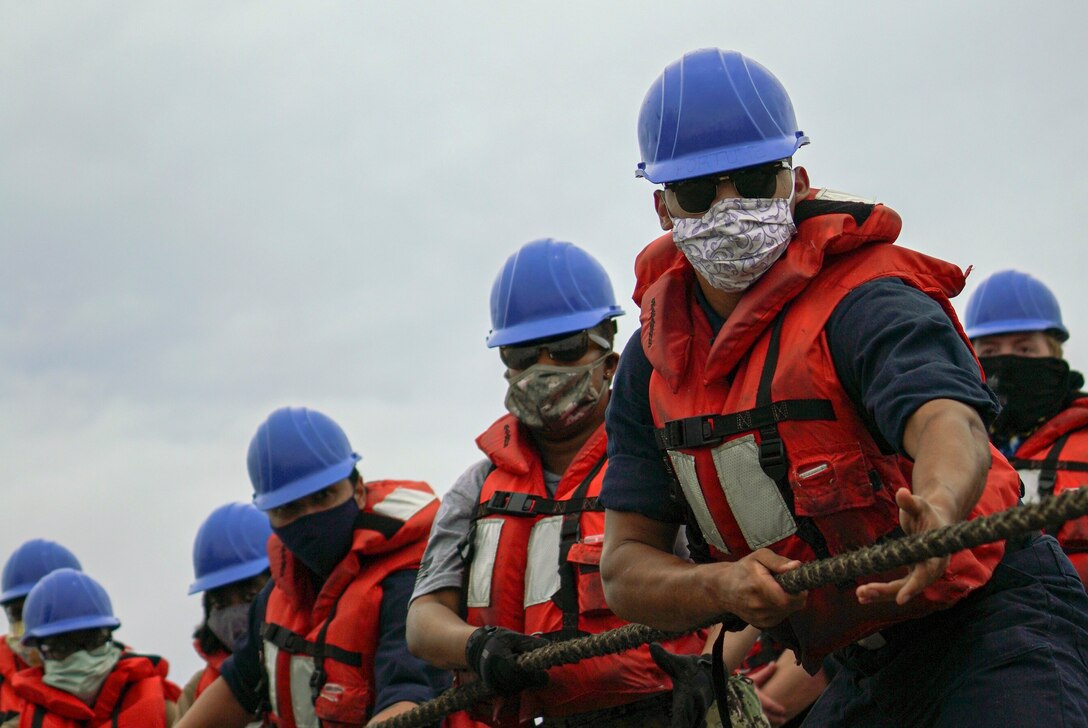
[692,686]
[492,651]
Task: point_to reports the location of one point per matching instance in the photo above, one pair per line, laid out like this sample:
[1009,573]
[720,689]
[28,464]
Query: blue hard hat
[549,288]
[30,562]
[296,452]
[230,546]
[66,600]
[1010,302]
[714,111]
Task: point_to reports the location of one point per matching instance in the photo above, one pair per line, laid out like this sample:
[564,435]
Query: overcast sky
[209,210]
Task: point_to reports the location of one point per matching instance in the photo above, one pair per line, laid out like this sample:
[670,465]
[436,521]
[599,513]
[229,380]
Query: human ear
[663,216]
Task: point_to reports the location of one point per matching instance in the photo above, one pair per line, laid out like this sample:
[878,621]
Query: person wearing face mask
[86,679]
[231,566]
[325,643]
[24,568]
[516,545]
[799,388]
[1015,325]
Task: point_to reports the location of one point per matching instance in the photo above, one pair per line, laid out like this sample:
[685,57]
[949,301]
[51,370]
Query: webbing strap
[506,503]
[39,717]
[296,644]
[115,716]
[567,596]
[704,430]
[319,676]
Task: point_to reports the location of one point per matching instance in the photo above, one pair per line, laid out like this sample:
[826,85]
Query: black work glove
[492,651]
[692,686]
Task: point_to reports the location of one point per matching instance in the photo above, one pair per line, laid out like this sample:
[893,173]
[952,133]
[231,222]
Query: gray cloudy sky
[209,209]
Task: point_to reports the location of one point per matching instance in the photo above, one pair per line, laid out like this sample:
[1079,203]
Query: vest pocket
[341,704]
[586,558]
[830,479]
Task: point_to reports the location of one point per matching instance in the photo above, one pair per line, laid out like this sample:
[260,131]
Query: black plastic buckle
[514,504]
[772,457]
[688,432]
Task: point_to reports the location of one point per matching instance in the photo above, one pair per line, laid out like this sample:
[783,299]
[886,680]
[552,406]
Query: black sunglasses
[695,196]
[565,348]
[58,647]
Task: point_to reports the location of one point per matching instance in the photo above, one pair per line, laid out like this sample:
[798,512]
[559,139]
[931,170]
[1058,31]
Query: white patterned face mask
[737,240]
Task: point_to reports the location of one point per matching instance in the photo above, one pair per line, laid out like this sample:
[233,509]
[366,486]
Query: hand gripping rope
[1047,514]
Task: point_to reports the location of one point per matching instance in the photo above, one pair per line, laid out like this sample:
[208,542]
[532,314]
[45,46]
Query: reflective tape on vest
[300,672]
[754,498]
[542,563]
[485,548]
[403,503]
[684,467]
[1030,479]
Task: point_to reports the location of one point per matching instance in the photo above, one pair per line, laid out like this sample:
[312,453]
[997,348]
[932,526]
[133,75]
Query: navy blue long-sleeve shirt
[397,674]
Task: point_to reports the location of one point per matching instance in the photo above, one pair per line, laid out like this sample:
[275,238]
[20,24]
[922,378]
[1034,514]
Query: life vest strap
[507,503]
[702,430]
[295,643]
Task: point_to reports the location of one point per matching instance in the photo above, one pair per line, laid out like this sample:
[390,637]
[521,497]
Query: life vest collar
[129,669]
[1072,418]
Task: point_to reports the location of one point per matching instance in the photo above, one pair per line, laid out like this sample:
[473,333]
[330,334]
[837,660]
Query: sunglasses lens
[519,357]
[695,196]
[568,350]
[759,182]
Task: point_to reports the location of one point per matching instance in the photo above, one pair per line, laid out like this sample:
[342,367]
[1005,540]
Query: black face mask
[1031,390]
[321,540]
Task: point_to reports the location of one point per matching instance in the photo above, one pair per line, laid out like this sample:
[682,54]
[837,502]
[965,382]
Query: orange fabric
[695,375]
[10,663]
[1073,535]
[349,601]
[592,684]
[138,683]
[212,667]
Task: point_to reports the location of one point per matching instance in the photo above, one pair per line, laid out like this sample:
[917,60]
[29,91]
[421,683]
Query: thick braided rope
[870,560]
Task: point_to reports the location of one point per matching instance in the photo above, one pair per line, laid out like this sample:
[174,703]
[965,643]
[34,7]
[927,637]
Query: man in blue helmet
[800,388]
[326,636]
[1015,325]
[230,561]
[516,545]
[24,568]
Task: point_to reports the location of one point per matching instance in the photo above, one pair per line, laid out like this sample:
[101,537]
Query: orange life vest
[535,569]
[318,649]
[213,665]
[766,445]
[134,695]
[10,663]
[1055,457]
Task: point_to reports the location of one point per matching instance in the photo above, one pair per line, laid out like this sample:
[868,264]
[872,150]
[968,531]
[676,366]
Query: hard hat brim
[724,159]
[230,575]
[74,624]
[1016,326]
[16,592]
[542,329]
[305,486]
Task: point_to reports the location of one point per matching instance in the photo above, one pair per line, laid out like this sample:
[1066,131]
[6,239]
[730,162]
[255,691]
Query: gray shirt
[442,567]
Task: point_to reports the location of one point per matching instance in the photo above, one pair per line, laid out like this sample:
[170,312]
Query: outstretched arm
[951,455]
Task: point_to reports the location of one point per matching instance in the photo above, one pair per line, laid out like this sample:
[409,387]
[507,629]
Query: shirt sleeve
[636,479]
[442,567]
[243,671]
[894,349]
[398,675]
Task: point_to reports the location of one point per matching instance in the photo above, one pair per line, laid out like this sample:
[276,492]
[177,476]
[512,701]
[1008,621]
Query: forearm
[951,454]
[216,708]
[435,632]
[792,687]
[395,709]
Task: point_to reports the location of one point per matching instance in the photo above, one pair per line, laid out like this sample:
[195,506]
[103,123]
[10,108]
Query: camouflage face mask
[553,397]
